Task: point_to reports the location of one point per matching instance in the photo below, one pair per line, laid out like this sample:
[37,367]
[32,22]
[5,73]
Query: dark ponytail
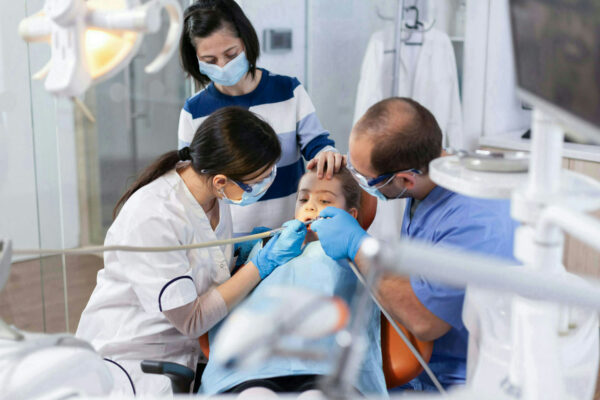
[232,141]
[205,17]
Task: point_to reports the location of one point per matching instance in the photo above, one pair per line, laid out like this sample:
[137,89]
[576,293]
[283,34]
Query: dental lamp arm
[36,28]
[398,298]
[460,268]
[175,28]
[145,18]
[65,23]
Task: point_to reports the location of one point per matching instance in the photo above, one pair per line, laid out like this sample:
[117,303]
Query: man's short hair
[405,135]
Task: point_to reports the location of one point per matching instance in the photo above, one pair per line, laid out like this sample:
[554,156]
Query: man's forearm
[397,296]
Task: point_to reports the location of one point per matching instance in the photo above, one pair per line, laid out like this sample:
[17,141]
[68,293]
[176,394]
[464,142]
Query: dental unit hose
[406,341]
[157,249]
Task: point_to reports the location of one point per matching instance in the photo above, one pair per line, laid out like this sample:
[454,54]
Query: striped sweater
[285,105]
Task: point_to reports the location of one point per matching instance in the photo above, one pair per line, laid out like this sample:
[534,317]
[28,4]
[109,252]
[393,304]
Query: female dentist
[156,305]
[219,49]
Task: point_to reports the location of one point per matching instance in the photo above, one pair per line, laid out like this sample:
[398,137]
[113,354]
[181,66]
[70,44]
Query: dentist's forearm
[396,295]
[236,288]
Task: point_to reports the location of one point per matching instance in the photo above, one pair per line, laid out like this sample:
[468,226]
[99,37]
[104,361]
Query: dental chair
[399,364]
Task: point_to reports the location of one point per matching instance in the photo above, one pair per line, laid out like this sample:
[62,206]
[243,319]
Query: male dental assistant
[391,147]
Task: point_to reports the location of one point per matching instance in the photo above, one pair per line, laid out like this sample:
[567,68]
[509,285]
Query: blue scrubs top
[449,219]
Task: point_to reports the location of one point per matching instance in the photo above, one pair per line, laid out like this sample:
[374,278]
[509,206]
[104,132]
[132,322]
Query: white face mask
[252,193]
[230,74]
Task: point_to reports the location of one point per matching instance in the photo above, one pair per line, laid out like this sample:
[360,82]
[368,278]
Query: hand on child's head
[326,163]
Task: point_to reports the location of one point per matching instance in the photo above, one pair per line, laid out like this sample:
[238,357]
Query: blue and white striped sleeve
[185,132]
[312,137]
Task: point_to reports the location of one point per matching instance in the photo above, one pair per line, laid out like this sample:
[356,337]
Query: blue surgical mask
[373,191]
[252,193]
[230,74]
[372,185]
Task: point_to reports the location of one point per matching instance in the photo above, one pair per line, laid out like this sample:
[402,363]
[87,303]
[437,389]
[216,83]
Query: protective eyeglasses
[260,186]
[379,181]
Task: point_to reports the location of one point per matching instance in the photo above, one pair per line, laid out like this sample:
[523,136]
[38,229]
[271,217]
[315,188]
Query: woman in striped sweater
[219,48]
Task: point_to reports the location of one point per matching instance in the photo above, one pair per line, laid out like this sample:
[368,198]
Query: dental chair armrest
[181,376]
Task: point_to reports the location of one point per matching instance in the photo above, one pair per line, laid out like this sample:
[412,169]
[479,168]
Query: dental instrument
[306,223]
[156,249]
[391,320]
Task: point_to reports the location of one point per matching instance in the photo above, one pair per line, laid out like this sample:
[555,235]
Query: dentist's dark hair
[232,141]
[205,17]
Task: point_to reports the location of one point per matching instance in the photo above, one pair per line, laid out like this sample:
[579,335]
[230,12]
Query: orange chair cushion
[368,208]
[399,364]
[204,344]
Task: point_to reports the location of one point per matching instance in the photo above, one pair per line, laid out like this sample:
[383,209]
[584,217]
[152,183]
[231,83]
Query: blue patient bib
[315,271]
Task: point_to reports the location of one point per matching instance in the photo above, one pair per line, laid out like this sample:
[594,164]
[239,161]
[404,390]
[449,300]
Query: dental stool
[399,364]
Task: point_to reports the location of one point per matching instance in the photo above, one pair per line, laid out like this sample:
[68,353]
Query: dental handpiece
[275,231]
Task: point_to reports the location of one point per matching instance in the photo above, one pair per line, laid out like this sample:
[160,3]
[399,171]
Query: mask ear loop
[414,173]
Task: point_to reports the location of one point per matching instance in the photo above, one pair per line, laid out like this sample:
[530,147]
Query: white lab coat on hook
[428,75]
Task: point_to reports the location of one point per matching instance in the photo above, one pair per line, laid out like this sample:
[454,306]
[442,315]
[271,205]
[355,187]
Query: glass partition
[61,173]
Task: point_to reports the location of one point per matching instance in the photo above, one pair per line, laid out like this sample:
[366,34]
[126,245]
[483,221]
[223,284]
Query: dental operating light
[93,40]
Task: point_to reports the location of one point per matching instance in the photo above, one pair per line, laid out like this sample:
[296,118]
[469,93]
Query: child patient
[315,271]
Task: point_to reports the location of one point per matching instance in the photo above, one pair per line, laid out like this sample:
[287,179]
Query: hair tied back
[184,154]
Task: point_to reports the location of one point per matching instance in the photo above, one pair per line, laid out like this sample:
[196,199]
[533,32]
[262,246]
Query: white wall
[328,42]
[339,31]
[277,14]
[330,38]
[29,181]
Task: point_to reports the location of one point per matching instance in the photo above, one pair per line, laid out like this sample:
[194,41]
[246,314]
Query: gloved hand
[281,248]
[242,250]
[340,233]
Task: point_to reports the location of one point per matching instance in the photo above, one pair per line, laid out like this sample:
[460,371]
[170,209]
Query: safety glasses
[259,187]
[379,181]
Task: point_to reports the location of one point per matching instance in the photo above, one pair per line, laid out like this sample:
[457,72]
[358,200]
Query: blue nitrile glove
[340,233]
[281,248]
[242,250]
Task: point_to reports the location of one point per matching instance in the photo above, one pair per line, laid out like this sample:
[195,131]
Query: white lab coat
[123,319]
[428,75]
